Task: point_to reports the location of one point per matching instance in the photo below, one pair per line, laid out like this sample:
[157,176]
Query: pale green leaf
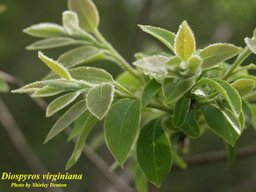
[55,66]
[253,110]
[87,13]
[86,127]
[47,91]
[128,80]
[64,84]
[99,100]
[185,44]
[174,89]
[217,53]
[149,91]
[244,86]
[91,75]
[121,127]
[181,110]
[54,43]
[60,103]
[154,153]
[45,30]
[31,87]
[163,35]
[251,43]
[218,123]
[66,119]
[81,55]
[4,87]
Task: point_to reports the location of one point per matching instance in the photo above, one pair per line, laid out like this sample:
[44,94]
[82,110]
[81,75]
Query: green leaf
[86,127]
[253,110]
[128,80]
[251,44]
[47,91]
[31,87]
[154,153]
[81,55]
[248,117]
[121,127]
[56,67]
[181,110]
[163,35]
[227,92]
[191,127]
[99,100]
[140,181]
[60,103]
[87,13]
[217,53]
[174,89]
[91,75]
[149,91]
[64,84]
[45,30]
[154,66]
[54,43]
[185,44]
[66,119]
[4,87]
[220,124]
[244,86]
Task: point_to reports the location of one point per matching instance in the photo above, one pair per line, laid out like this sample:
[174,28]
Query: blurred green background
[211,21]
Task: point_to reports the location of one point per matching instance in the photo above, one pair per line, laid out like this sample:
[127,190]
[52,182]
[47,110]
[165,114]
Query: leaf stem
[120,60]
[241,57]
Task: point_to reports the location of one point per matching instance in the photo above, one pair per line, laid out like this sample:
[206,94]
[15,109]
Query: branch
[20,143]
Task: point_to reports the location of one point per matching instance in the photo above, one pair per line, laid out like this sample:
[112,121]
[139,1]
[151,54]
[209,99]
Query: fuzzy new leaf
[251,43]
[244,86]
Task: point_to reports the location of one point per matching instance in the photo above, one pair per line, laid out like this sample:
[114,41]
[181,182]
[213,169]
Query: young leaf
[191,127]
[218,123]
[87,13]
[99,100]
[227,92]
[4,87]
[54,43]
[149,91]
[66,119]
[31,87]
[81,55]
[55,66]
[154,153]
[121,127]
[244,86]
[180,111]
[91,75]
[175,89]
[185,43]
[60,103]
[163,35]
[45,30]
[216,53]
[63,84]
[86,128]
[128,80]
[47,91]
[251,43]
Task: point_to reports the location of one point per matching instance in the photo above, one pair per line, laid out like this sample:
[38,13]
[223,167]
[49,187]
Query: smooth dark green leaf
[53,43]
[4,87]
[121,127]
[91,75]
[60,103]
[66,119]
[99,100]
[45,30]
[149,91]
[191,127]
[81,55]
[220,125]
[88,123]
[56,67]
[154,153]
[216,53]
[87,13]
[251,43]
[185,43]
[163,35]
[181,110]
[244,86]
[47,91]
[174,89]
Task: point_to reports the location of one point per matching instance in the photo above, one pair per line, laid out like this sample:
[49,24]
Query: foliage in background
[187,91]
